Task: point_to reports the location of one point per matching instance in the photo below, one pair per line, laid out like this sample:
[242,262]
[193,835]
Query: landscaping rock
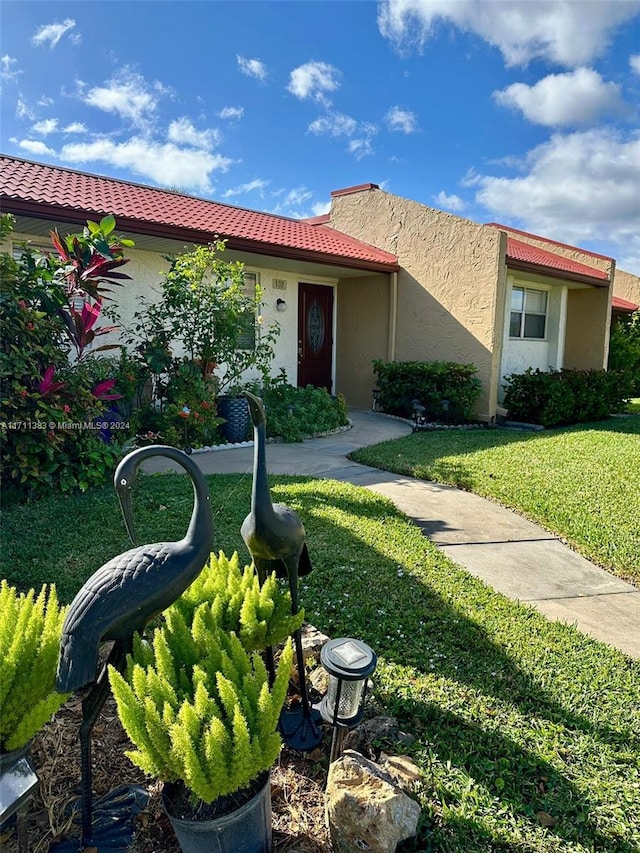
[365,808]
[402,769]
[312,641]
[319,680]
[371,734]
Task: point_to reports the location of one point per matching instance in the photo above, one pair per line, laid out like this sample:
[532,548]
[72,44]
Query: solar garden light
[349,664]
[418,414]
[18,782]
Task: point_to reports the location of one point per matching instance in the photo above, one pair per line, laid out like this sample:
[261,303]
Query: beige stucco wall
[451,285]
[587,340]
[362,334]
[626,285]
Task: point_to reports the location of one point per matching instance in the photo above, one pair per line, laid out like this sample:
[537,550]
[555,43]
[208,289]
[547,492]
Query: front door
[315,339]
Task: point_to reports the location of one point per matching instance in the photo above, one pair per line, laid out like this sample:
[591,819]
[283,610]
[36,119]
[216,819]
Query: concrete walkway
[511,554]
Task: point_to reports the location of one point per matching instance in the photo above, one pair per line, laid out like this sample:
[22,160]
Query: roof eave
[60,213]
[553,272]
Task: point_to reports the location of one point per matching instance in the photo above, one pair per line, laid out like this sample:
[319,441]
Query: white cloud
[576,97]
[334,124]
[252,67]
[46,126]
[249,187]
[314,80]
[321,207]
[23,110]
[182,131]
[403,120]
[567,33]
[164,163]
[231,113]
[575,187]
[634,62]
[297,203]
[8,71]
[298,195]
[75,127]
[52,33]
[128,95]
[45,101]
[36,146]
[449,202]
[362,146]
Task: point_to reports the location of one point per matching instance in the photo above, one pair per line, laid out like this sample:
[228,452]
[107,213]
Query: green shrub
[49,407]
[431,383]
[561,397]
[30,630]
[624,349]
[294,414]
[259,616]
[198,707]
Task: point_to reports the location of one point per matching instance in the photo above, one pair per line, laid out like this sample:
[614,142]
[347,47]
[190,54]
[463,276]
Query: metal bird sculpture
[123,595]
[275,538]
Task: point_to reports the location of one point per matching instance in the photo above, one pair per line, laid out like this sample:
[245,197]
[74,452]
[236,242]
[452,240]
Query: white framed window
[528,313]
[249,331]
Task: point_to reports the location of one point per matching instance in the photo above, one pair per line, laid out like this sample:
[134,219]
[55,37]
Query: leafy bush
[432,383]
[294,414]
[624,349]
[259,616]
[198,707]
[49,407]
[560,397]
[30,632]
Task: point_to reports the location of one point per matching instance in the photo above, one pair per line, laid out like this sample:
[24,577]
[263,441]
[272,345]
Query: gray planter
[235,411]
[246,830]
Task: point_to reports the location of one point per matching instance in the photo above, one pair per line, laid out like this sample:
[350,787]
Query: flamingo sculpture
[275,538]
[123,595]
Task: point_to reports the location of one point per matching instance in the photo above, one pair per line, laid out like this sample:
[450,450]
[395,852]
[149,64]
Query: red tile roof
[623,304]
[547,240]
[528,254]
[36,189]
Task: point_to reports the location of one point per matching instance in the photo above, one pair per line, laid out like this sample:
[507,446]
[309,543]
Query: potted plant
[200,711]
[30,632]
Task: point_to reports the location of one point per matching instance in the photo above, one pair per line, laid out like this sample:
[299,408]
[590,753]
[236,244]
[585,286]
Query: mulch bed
[297,784]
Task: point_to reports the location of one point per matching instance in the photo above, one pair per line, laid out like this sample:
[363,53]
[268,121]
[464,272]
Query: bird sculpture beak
[127,513]
[256,408]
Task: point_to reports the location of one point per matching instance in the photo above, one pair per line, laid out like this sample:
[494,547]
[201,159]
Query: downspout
[393,317]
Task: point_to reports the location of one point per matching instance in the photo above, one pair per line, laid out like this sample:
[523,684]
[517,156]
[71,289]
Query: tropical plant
[49,412]
[259,615]
[30,631]
[199,708]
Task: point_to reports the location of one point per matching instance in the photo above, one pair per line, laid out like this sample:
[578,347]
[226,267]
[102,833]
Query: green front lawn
[527,732]
[582,483]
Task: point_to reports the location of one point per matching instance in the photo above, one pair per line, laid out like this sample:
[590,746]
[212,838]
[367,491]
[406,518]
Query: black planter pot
[245,830]
[235,411]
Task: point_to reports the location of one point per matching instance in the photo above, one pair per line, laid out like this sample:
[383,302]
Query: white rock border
[215,447]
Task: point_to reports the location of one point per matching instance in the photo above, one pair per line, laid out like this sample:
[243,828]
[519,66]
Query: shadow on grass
[492,690]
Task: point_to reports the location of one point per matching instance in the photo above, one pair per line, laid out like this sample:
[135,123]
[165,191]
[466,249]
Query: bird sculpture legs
[302,731]
[91,707]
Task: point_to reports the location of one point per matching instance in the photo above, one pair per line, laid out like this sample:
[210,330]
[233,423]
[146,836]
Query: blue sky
[514,111]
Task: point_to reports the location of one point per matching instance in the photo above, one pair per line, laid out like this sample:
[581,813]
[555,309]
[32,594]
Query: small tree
[624,348]
[206,310]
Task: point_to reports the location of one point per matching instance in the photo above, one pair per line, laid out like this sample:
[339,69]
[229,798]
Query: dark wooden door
[315,339]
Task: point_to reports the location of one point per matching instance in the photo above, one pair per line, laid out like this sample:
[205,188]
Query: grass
[527,732]
[582,483]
